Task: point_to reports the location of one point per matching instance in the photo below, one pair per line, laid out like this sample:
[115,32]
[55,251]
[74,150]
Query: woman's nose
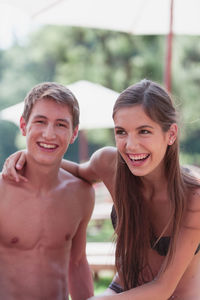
[132,143]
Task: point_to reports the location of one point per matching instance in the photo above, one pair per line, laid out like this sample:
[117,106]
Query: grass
[102,284]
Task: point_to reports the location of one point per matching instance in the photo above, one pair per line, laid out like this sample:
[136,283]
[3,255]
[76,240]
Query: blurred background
[97,49]
[32,51]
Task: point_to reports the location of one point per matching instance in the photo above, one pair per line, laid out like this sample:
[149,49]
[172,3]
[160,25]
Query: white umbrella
[96,104]
[133,16]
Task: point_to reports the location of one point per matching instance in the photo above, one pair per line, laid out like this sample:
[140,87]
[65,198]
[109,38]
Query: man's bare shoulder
[5,187]
[4,183]
[9,184]
[81,192]
[69,178]
[75,184]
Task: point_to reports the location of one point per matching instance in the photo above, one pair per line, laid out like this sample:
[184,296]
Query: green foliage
[115,60]
[192,143]
[186,79]
[190,159]
[100,231]
[101,284]
[8,132]
[64,54]
[99,136]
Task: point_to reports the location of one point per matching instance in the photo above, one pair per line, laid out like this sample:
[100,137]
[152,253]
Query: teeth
[47,146]
[138,156]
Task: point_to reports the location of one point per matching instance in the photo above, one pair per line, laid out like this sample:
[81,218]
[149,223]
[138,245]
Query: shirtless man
[44,221]
[150,186]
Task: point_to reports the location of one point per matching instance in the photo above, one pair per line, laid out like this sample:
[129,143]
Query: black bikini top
[161,247]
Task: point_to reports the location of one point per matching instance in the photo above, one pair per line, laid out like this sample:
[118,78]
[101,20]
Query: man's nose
[49,132]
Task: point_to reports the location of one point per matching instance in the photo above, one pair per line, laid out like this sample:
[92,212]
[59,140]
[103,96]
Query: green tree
[8,133]
[115,60]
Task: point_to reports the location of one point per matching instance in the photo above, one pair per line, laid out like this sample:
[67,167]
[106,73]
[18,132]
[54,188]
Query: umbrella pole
[168,62]
[83,146]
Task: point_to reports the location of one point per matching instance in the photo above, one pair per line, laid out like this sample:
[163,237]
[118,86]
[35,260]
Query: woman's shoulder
[194,199]
[193,209]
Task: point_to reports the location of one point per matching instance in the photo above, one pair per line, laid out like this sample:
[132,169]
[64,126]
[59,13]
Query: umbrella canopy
[133,16]
[139,17]
[96,104]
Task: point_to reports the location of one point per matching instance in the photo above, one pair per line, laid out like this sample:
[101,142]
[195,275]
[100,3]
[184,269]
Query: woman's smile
[140,141]
[138,159]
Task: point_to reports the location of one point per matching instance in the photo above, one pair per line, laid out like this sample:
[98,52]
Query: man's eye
[144,131]
[61,125]
[39,121]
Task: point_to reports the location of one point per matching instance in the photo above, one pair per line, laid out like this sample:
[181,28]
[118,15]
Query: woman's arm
[115,286]
[149,291]
[13,167]
[164,285]
[100,166]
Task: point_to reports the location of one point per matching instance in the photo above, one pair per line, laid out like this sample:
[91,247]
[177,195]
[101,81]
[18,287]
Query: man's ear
[74,135]
[23,126]
[173,132]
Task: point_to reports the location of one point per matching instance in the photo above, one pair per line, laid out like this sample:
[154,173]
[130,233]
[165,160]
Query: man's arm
[80,279]
[79,275]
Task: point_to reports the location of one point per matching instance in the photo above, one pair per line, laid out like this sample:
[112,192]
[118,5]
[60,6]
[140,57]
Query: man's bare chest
[32,222]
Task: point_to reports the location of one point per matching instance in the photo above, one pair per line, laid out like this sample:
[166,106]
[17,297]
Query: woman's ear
[173,131]
[23,126]
[74,135]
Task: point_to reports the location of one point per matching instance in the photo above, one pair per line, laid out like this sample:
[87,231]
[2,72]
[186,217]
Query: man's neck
[42,177]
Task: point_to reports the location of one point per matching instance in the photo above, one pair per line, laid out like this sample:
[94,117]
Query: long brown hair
[133,228]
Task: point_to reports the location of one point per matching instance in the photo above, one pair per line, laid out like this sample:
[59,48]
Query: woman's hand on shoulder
[13,165]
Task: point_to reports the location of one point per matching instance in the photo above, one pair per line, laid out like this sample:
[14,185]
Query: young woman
[156,210]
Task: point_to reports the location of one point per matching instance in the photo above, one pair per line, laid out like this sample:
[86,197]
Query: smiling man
[44,220]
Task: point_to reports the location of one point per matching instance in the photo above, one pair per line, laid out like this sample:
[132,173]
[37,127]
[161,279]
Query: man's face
[48,132]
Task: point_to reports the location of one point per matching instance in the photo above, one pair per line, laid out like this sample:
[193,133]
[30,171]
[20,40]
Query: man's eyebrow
[63,120]
[144,126]
[39,116]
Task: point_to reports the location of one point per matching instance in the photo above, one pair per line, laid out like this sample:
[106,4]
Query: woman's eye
[120,132]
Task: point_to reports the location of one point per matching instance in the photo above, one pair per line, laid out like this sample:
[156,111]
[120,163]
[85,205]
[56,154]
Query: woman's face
[140,141]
